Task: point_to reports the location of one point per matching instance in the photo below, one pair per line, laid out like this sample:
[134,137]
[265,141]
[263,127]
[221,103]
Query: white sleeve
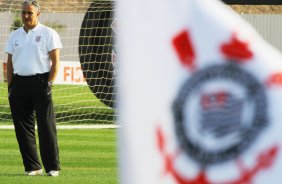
[54,41]
[9,45]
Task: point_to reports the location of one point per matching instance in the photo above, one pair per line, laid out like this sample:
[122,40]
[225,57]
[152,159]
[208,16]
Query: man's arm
[10,69]
[55,58]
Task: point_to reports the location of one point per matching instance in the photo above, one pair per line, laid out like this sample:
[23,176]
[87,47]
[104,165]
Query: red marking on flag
[274,79]
[160,139]
[264,161]
[217,99]
[184,48]
[237,49]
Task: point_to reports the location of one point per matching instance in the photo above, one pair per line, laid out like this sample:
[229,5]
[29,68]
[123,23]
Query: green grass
[87,156]
[72,104]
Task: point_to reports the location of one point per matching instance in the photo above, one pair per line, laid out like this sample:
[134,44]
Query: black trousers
[30,97]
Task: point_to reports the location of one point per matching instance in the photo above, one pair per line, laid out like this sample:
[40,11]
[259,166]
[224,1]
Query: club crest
[38,38]
[219,112]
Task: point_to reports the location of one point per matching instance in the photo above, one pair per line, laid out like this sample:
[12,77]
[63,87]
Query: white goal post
[84,91]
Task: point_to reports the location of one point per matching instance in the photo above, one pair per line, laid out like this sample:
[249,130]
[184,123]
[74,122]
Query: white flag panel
[199,96]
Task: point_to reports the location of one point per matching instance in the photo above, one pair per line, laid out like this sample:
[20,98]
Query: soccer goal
[84,91]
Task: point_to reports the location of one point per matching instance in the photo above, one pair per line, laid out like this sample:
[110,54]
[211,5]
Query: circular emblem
[96,50]
[219,112]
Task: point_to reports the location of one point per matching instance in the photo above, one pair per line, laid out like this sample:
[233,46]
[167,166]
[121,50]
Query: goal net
[84,91]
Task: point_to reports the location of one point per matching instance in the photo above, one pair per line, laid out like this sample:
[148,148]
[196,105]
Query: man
[32,65]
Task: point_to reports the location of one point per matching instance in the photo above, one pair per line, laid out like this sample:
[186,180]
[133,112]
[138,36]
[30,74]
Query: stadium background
[77,103]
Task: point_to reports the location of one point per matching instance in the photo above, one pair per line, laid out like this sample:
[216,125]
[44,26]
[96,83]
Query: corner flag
[200,96]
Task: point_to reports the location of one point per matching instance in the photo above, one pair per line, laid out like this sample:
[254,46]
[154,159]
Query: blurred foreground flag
[200,96]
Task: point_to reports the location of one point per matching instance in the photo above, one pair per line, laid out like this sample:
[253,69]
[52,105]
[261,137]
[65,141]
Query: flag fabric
[200,96]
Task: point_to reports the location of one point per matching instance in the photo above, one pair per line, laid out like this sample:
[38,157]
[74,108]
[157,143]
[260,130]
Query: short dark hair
[32,2]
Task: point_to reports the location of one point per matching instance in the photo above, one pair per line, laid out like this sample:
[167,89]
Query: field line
[72,126]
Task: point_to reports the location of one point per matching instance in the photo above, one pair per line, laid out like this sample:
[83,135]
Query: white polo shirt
[30,51]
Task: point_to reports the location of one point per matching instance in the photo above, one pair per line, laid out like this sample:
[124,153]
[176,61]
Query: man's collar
[32,30]
[36,27]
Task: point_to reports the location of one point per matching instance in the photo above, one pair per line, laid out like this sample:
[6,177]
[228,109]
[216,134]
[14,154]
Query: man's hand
[10,69]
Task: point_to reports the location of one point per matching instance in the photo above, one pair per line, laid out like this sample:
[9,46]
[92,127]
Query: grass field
[87,156]
[72,103]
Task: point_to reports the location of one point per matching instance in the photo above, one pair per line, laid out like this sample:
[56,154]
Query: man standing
[32,66]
